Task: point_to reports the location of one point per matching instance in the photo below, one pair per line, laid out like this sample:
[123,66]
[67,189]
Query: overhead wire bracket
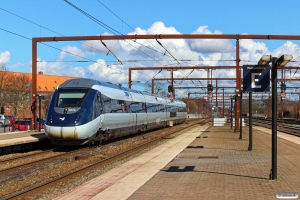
[111,52]
[167,51]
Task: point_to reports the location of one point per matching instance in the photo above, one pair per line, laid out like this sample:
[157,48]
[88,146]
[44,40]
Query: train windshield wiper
[68,105]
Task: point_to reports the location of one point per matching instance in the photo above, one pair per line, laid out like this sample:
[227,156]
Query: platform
[11,142]
[203,163]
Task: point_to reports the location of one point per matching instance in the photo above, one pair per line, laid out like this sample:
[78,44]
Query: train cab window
[71,97]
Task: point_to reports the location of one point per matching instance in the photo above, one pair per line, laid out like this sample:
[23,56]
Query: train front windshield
[71,97]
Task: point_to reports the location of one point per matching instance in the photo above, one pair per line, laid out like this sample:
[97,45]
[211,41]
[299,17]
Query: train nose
[60,133]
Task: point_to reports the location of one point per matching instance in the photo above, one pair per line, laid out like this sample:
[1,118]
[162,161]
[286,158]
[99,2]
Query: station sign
[256,78]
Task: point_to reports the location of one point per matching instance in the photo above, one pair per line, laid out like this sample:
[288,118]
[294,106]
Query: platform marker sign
[256,78]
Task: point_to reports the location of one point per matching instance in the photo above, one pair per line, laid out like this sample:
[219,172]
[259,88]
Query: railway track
[95,161]
[21,163]
[286,126]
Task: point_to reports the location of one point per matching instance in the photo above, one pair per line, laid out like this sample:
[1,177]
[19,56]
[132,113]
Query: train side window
[150,107]
[127,107]
[133,107]
[144,107]
[106,104]
[139,107]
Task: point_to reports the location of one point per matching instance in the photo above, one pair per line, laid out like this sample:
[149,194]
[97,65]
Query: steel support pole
[188,104]
[172,83]
[152,87]
[231,117]
[250,122]
[31,127]
[241,113]
[129,78]
[217,93]
[40,113]
[235,97]
[299,107]
[34,80]
[269,107]
[238,84]
[273,174]
[223,104]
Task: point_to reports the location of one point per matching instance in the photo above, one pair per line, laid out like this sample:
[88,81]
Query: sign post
[256,78]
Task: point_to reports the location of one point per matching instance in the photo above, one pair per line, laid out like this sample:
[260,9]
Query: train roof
[89,83]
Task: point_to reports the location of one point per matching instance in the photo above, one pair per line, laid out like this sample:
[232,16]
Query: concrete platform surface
[216,165]
[22,137]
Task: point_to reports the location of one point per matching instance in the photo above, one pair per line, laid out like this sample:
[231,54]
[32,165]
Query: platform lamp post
[282,61]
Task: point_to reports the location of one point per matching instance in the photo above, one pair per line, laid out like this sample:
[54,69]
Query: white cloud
[210,45]
[160,28]
[252,51]
[55,68]
[76,71]
[102,72]
[71,51]
[4,57]
[288,48]
[150,49]
[58,68]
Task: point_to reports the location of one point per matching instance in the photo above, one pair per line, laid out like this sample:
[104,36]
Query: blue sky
[22,20]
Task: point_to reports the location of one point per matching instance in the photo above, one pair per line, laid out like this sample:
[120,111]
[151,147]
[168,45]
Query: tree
[158,89]
[4,79]
[46,102]
[18,94]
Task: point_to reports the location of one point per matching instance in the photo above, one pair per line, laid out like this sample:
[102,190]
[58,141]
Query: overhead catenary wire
[110,29]
[41,26]
[49,45]
[86,59]
[113,30]
[111,52]
[131,28]
[59,49]
[167,51]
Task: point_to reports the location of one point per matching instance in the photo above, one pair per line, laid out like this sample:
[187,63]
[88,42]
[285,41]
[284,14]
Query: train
[86,111]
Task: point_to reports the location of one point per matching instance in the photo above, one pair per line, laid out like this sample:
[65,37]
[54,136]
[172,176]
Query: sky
[20,21]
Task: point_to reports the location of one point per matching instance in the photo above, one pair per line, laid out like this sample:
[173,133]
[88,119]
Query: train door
[98,107]
[130,112]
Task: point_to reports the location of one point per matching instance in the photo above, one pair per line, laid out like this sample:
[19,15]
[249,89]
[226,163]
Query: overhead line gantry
[237,37]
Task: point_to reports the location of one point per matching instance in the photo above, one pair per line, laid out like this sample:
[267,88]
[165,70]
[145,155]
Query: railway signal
[210,88]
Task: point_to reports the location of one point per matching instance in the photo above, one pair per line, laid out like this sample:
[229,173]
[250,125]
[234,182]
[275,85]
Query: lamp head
[264,60]
[284,59]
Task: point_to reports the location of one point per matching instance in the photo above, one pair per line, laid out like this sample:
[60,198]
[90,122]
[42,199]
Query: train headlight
[77,118]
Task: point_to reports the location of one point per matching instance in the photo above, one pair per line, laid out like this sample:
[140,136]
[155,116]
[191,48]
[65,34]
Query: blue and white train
[85,111]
